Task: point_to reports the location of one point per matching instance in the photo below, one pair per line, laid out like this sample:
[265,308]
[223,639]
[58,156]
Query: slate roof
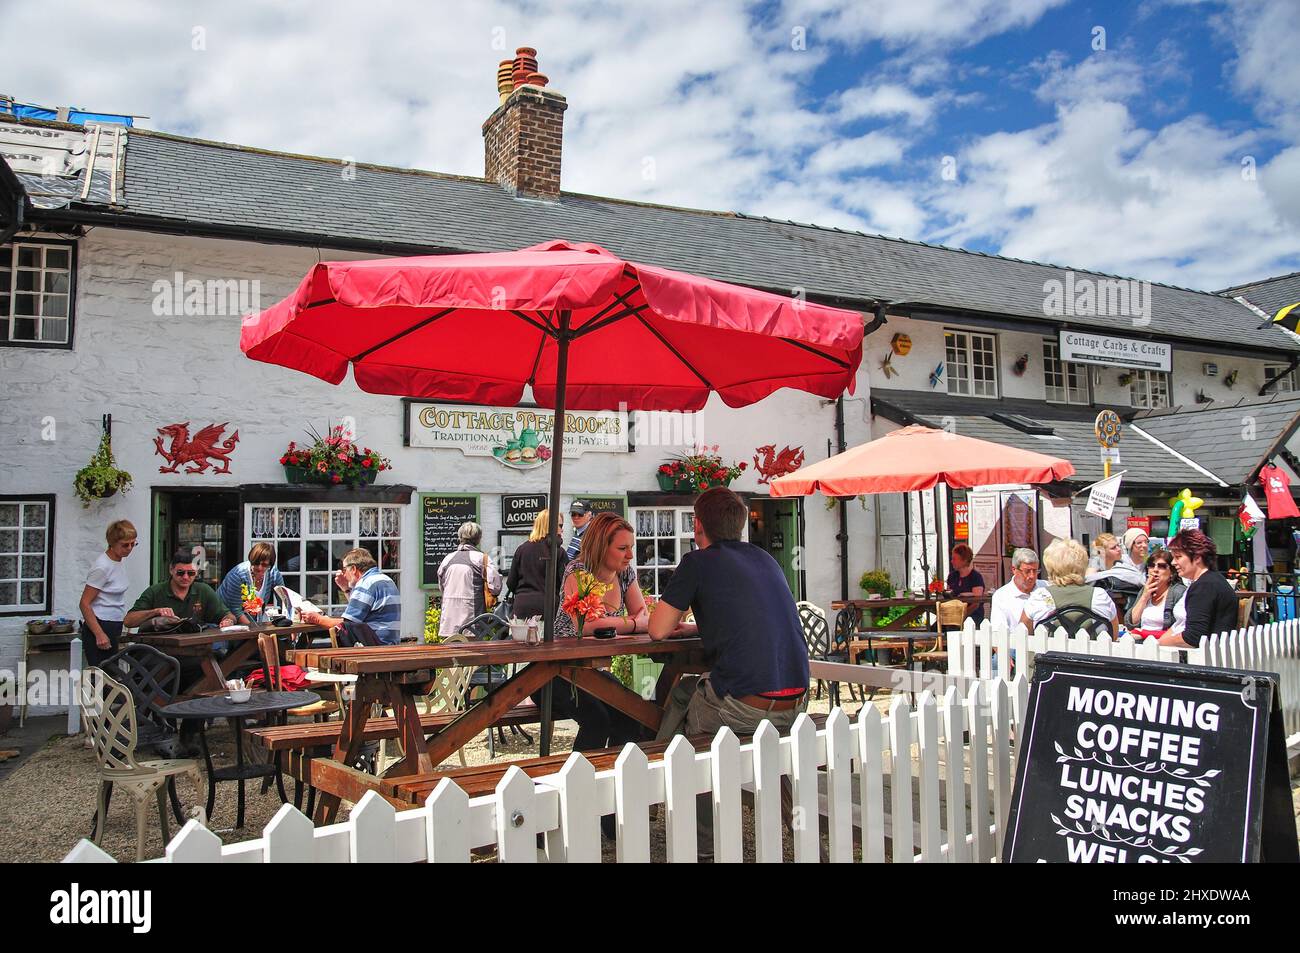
[1271,294]
[190,182]
[1147,463]
[1232,441]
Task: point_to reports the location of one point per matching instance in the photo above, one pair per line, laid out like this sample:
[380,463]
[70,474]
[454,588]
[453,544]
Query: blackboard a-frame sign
[440,516]
[1141,762]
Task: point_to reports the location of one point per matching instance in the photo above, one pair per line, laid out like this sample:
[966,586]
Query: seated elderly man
[1067,562]
[1009,600]
[374,611]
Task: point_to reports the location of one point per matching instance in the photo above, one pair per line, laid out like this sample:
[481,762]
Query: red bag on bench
[292,678]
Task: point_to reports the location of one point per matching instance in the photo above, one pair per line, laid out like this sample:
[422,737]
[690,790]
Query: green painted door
[784,541]
[161,536]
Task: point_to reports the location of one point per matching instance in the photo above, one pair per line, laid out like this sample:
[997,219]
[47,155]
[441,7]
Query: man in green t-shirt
[182,596]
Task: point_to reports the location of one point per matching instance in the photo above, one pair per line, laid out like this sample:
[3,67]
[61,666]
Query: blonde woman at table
[607,548]
[1109,551]
[103,600]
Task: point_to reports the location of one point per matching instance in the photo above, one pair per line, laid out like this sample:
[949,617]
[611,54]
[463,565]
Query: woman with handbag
[467,577]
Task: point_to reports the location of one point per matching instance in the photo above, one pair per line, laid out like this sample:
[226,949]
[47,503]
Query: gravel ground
[46,805]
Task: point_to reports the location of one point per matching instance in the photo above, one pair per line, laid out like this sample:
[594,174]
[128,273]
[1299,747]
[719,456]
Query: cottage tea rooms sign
[1078,347]
[518,437]
[1143,762]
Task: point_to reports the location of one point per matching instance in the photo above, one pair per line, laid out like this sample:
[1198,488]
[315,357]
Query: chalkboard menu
[1141,762]
[440,516]
[521,509]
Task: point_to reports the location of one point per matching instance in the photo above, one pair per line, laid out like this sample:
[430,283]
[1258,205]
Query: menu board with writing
[440,517]
[1142,762]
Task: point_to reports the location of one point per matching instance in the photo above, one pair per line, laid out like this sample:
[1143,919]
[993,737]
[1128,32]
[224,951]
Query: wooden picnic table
[398,675]
[916,607]
[199,645]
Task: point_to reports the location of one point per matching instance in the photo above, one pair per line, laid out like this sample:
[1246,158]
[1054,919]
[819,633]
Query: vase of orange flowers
[251,601]
[588,600]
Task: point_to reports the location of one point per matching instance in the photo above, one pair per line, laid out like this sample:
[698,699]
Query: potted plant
[100,478]
[877,582]
[332,460]
[697,471]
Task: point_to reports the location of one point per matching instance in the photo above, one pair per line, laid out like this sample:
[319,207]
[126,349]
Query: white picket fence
[970,649]
[934,781]
[1264,648]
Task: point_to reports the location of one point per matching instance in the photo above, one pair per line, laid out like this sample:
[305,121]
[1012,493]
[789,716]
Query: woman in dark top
[527,578]
[965,580]
[1210,605]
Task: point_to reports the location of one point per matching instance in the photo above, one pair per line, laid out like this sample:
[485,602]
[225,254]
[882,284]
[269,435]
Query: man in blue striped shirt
[373,598]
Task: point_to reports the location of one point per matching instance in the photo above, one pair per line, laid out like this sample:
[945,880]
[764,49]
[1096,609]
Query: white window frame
[665,543]
[340,532]
[1067,371]
[1288,383]
[1146,384]
[24,554]
[52,289]
[961,350]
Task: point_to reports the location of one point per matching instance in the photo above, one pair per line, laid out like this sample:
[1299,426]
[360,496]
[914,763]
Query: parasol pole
[555,540]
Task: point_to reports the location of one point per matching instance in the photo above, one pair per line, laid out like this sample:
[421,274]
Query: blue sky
[1172,154]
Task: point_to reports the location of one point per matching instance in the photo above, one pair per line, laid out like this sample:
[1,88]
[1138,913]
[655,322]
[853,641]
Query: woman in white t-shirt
[103,601]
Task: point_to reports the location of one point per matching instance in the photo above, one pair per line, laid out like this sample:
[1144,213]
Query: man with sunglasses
[180,596]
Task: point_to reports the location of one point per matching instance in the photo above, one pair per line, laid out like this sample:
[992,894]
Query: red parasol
[584,329]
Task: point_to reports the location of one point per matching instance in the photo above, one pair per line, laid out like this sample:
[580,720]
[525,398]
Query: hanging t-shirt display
[1277,491]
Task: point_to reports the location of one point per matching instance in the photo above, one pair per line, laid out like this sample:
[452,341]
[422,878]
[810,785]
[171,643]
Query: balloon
[1182,507]
[1175,517]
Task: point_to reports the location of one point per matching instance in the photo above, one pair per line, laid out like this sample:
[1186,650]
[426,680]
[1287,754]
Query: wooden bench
[302,743]
[411,790]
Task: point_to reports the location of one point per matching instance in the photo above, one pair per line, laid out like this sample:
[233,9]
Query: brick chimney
[523,138]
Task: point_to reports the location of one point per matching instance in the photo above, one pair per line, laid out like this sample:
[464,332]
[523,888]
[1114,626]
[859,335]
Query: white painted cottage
[127,257]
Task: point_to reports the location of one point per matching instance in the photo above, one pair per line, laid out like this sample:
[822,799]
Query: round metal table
[219,706]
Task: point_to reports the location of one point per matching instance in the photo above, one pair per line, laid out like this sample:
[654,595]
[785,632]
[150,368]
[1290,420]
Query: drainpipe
[843,535]
[841,444]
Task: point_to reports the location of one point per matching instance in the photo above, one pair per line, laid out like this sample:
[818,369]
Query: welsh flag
[1250,516]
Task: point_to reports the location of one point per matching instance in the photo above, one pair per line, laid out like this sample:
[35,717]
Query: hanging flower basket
[697,471]
[100,478]
[334,460]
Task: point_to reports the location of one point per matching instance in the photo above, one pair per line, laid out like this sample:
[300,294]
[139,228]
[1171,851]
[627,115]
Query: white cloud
[886,101]
[928,23]
[1094,190]
[1102,76]
[864,152]
[1267,67]
[709,105]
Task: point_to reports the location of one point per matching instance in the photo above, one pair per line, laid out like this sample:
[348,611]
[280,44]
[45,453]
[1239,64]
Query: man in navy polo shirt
[748,622]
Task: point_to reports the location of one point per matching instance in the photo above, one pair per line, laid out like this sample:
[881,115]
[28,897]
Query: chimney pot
[523,138]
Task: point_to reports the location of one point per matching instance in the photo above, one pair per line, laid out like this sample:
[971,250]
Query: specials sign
[1080,348]
[1143,762]
[518,437]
